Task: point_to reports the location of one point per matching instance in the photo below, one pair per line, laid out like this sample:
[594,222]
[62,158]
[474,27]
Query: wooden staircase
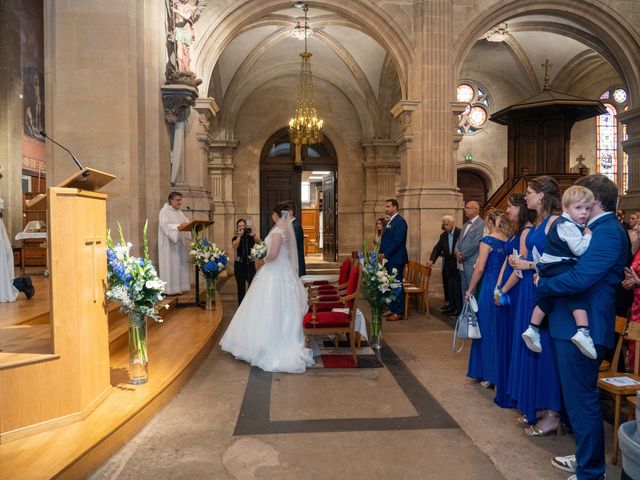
[501,196]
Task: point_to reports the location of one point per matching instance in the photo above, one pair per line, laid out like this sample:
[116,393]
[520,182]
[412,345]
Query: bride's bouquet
[258,252]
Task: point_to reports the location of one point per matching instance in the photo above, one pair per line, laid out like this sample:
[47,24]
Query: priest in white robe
[173,246]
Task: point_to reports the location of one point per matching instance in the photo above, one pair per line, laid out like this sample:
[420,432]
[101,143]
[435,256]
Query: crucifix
[93,241]
[546,65]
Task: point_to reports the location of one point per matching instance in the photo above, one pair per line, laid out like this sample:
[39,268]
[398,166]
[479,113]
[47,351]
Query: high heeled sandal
[538,430]
[523,422]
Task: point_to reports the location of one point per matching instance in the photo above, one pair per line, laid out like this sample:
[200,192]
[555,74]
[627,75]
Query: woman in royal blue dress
[507,288]
[534,383]
[483,358]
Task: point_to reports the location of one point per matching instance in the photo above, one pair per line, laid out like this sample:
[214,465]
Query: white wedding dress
[266,330]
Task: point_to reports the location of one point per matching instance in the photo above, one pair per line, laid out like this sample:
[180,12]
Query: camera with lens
[247,231]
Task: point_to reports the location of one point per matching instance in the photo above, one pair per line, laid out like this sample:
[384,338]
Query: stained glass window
[475,116]
[611,160]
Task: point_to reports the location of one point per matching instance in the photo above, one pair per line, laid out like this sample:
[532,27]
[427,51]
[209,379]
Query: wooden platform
[176,348]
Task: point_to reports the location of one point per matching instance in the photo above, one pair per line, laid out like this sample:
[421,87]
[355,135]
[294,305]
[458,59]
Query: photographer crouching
[244,268]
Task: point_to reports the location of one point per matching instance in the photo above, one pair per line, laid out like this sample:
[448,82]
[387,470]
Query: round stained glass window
[619,95]
[477,116]
[465,93]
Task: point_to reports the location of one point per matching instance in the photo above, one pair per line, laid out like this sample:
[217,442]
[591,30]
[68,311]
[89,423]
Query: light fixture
[320,173]
[299,32]
[497,34]
[305,128]
[315,178]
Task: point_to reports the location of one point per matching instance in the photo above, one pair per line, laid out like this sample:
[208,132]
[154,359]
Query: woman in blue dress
[507,288]
[534,382]
[483,358]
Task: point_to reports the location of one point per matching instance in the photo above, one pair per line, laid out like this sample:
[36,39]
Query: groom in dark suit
[445,248]
[393,247]
[597,273]
[297,229]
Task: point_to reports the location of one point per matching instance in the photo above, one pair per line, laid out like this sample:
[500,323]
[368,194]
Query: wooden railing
[514,185]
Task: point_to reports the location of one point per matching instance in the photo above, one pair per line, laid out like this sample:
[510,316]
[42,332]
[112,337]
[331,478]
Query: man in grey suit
[469,243]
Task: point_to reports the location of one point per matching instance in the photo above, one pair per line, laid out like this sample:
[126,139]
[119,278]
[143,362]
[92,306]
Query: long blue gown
[483,358]
[504,329]
[533,378]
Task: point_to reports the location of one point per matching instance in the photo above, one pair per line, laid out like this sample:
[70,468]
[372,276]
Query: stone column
[220,170]
[631,118]
[381,170]
[428,181]
[11,116]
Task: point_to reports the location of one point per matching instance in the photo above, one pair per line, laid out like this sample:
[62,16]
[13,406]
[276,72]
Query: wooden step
[176,348]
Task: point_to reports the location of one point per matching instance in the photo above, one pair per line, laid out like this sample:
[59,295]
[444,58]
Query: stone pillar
[11,116]
[381,170]
[428,181]
[631,201]
[221,184]
[105,106]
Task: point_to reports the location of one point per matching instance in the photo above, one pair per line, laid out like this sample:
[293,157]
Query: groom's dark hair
[291,205]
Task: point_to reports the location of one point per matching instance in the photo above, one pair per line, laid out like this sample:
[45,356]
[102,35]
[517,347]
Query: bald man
[469,242]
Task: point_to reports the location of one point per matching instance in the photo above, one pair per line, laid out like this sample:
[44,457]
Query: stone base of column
[423,210]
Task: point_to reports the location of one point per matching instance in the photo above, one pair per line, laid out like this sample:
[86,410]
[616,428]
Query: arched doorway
[281,179]
[473,186]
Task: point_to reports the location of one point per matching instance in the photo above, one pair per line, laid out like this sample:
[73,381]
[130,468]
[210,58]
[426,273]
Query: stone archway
[280,179]
[612,31]
[473,186]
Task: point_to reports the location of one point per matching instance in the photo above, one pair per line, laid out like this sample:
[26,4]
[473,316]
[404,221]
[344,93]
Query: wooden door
[276,186]
[473,187]
[329,213]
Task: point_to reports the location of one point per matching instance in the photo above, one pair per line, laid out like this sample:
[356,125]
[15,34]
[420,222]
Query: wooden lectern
[42,391]
[198,226]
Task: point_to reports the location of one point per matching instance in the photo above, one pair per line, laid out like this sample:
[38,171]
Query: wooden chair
[335,323]
[416,283]
[621,330]
[629,332]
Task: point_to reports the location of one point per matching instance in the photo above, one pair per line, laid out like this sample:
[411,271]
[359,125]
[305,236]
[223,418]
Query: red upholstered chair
[322,322]
[324,287]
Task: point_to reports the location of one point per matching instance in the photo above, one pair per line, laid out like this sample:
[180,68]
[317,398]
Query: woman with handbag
[506,292]
[483,359]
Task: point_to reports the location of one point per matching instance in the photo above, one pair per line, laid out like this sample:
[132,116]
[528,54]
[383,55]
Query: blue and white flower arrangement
[133,281]
[210,259]
[379,287]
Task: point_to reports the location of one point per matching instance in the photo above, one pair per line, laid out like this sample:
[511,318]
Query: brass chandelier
[305,127]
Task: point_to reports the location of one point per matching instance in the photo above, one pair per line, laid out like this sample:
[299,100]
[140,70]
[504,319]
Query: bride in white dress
[266,330]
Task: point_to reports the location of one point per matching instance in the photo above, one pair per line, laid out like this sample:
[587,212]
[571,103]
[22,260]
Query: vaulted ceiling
[349,58]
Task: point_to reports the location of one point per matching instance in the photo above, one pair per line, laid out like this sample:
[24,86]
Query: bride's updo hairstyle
[281,207]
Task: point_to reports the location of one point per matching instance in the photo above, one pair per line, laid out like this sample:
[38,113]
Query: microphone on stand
[85,174]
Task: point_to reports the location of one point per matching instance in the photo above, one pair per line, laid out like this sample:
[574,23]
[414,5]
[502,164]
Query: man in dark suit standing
[450,274]
[597,273]
[297,229]
[393,247]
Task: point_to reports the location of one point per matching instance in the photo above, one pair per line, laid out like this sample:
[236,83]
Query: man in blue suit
[597,273]
[393,247]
